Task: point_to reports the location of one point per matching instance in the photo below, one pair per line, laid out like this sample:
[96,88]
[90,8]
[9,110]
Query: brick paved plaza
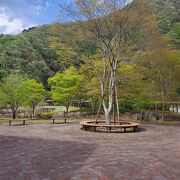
[63,151]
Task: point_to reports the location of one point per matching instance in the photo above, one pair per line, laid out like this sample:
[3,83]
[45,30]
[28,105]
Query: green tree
[11,93]
[160,64]
[34,93]
[90,85]
[65,86]
[174,33]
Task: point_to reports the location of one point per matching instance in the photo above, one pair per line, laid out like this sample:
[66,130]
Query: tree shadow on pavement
[33,158]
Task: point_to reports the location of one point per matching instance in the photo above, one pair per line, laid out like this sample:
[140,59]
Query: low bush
[172,117]
[45,115]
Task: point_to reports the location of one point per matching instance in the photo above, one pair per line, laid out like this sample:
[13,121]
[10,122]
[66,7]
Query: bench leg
[24,122]
[53,121]
[135,128]
[64,120]
[94,129]
[9,122]
[109,129]
[124,129]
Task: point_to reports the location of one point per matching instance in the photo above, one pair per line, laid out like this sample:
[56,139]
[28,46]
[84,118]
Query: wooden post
[24,122]
[53,121]
[65,120]
[177,108]
[9,122]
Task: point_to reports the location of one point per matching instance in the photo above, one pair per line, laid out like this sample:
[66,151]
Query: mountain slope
[30,53]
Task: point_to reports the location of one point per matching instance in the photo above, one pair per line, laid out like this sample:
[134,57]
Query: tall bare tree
[111,26]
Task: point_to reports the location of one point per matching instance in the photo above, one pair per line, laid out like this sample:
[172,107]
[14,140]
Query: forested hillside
[168,15]
[31,53]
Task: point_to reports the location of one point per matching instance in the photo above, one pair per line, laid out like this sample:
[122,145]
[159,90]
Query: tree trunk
[33,111]
[14,114]
[108,109]
[80,103]
[117,103]
[99,108]
[67,109]
[107,117]
[163,111]
[163,106]
[92,107]
[114,105]
[106,113]
[13,111]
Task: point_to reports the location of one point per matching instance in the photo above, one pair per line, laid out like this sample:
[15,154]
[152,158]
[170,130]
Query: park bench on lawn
[58,120]
[11,121]
[15,120]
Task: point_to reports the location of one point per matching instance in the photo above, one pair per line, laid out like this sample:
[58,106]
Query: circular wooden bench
[89,125]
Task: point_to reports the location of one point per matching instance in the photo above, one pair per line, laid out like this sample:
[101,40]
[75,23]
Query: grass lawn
[59,108]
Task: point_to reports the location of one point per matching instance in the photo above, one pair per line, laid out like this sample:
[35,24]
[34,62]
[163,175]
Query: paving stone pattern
[63,152]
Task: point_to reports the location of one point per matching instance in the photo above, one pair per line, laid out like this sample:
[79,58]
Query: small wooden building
[174,107]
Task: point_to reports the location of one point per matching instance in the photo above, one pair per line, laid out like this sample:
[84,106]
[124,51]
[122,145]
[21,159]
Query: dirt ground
[63,151]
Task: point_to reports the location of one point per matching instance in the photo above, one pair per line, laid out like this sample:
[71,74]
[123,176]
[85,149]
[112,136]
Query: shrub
[172,116]
[45,115]
[125,106]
